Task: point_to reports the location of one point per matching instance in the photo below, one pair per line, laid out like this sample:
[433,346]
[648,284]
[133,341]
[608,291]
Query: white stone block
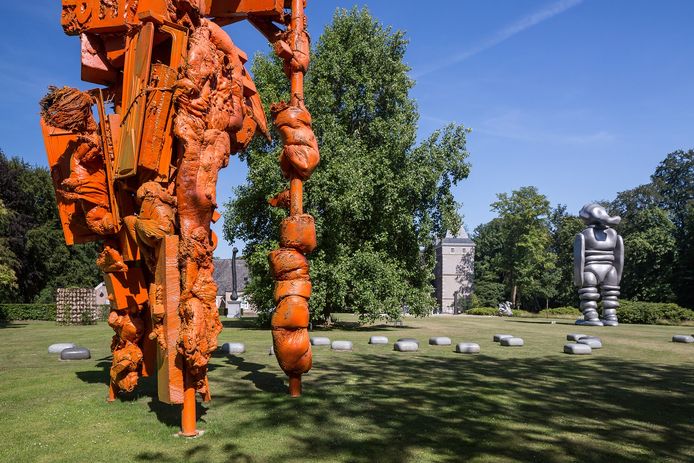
[511,342]
[440,341]
[577,349]
[594,343]
[406,346]
[58,347]
[467,348]
[341,345]
[320,341]
[233,348]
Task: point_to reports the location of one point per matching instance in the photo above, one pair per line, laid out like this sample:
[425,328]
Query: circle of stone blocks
[577,349]
[499,337]
[75,353]
[467,348]
[594,343]
[58,347]
[440,341]
[233,348]
[511,342]
[378,340]
[683,338]
[409,340]
[406,346]
[575,336]
[341,345]
[320,341]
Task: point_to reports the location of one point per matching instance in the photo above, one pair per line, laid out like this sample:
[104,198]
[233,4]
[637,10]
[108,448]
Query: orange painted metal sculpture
[176,102]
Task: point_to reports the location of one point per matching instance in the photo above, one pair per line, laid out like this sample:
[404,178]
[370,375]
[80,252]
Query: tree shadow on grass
[169,414]
[549,409]
[11,324]
[268,382]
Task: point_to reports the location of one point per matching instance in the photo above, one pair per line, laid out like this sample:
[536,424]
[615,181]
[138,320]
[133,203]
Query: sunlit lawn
[631,401]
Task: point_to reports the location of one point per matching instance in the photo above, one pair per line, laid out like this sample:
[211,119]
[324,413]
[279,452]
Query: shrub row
[9,312]
[650,313]
[482,311]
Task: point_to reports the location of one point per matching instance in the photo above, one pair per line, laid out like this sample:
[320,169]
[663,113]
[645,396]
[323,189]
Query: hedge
[482,311]
[9,312]
[549,313]
[651,313]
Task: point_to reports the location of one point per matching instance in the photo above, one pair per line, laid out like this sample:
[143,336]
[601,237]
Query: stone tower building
[455,259]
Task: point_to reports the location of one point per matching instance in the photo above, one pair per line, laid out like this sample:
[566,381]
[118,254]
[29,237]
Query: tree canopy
[529,247]
[379,198]
[34,259]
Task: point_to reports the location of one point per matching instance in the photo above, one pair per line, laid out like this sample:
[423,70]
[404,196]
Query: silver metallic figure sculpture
[598,263]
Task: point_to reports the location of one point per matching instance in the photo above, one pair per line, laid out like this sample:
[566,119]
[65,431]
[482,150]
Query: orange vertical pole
[295,386]
[188,414]
[111,391]
[297,88]
[296,186]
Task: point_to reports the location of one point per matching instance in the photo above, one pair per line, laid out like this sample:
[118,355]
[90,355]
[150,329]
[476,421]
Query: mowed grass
[631,401]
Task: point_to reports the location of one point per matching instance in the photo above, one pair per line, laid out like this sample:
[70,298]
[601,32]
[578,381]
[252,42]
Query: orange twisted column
[299,158]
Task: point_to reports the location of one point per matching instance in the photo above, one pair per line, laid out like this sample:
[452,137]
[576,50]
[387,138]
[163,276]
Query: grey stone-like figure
[598,264]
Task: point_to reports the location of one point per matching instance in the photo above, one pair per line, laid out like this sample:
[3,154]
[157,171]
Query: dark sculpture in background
[598,264]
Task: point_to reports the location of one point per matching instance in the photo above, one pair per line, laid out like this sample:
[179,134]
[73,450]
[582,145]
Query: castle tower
[453,274]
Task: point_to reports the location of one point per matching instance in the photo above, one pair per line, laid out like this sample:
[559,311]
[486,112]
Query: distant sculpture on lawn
[598,264]
[505,309]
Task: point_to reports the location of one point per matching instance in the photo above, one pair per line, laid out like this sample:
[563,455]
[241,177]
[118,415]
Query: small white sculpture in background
[505,309]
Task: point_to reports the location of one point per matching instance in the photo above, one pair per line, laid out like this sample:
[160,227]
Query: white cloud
[505,33]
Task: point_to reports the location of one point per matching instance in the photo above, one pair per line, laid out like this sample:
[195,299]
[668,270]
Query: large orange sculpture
[176,101]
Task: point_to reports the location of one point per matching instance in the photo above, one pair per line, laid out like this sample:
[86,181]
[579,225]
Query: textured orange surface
[176,102]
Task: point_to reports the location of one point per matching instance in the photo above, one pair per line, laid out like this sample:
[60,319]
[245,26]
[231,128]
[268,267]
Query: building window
[453,250]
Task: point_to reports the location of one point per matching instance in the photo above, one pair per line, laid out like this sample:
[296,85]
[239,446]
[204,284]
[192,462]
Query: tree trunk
[513,295]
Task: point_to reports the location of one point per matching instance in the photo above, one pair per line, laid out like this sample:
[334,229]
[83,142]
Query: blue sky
[555,91]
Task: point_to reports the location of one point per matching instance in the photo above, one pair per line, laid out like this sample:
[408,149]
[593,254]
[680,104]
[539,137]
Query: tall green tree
[527,266]
[379,199]
[649,253]
[489,287]
[8,261]
[31,234]
[674,181]
[563,228]
[683,282]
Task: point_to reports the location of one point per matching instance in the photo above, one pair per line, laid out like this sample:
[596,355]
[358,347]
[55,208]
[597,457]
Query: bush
[549,313]
[651,313]
[518,313]
[9,312]
[559,312]
[482,311]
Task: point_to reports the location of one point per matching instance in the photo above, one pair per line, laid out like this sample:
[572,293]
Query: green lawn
[631,401]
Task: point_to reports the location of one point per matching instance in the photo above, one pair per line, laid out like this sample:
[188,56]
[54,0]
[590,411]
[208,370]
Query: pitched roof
[223,276]
[461,238]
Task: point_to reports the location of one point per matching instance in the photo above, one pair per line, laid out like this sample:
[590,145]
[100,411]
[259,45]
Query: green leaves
[376,196]
[530,249]
[34,259]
